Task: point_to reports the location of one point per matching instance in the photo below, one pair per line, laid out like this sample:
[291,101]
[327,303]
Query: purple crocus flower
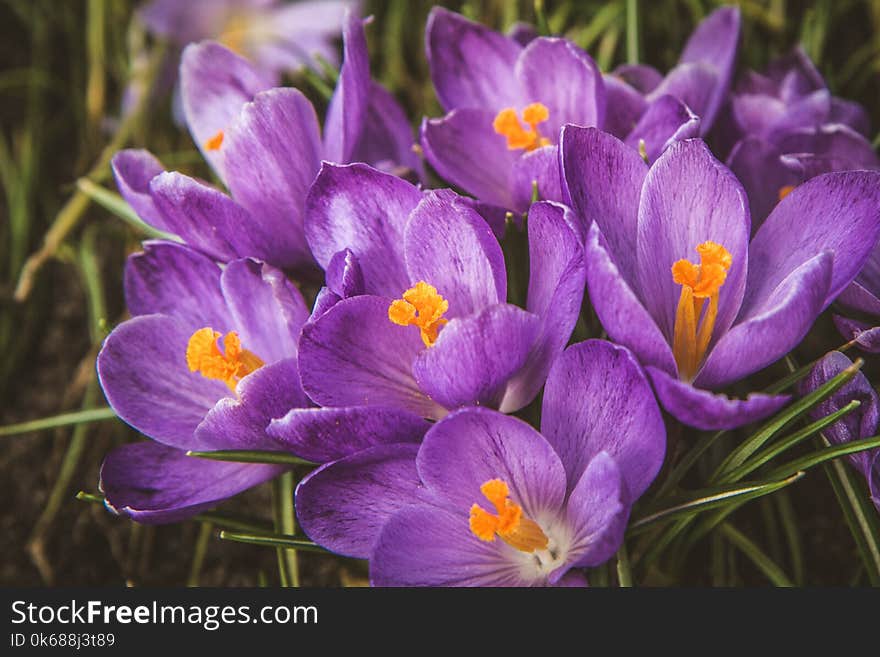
[506,103]
[276,36]
[701,326]
[786,127]
[859,424]
[859,305]
[487,500]
[164,372]
[264,144]
[643,104]
[416,315]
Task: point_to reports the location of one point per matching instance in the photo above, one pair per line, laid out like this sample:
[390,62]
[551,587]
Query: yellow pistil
[785,191]
[509,522]
[698,282]
[507,123]
[420,306]
[203,355]
[214,143]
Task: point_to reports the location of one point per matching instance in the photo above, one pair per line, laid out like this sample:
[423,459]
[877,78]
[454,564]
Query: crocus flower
[859,424]
[859,306]
[276,36]
[265,145]
[487,500]
[642,102]
[506,103]
[208,359]
[673,275]
[416,313]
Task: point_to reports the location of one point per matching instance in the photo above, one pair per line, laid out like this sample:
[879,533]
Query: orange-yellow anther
[508,522]
[215,142]
[234,31]
[698,282]
[203,355]
[507,123]
[420,306]
[785,191]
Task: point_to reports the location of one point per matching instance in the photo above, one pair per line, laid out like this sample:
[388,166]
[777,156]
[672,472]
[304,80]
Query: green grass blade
[763,562]
[251,456]
[65,419]
[115,204]
[272,540]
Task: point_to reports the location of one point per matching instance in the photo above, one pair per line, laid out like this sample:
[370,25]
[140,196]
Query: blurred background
[83,78]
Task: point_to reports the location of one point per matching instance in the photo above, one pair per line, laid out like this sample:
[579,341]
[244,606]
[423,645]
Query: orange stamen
[203,355]
[507,124]
[214,143]
[509,523]
[698,283]
[420,306]
[785,191]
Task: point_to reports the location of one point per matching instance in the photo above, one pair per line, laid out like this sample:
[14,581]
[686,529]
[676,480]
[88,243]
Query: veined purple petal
[172,279]
[475,357]
[133,170]
[326,434]
[215,83]
[710,411]
[540,167]
[353,355]
[695,84]
[266,309]
[597,511]
[343,505]
[344,275]
[770,331]
[557,276]
[466,151]
[759,168]
[347,112]
[624,106]
[472,446]
[597,399]
[241,423]
[155,484]
[689,198]
[425,546]
[358,208]
[451,247]
[566,80]
[865,335]
[471,65]
[142,369]
[272,154]
[666,120]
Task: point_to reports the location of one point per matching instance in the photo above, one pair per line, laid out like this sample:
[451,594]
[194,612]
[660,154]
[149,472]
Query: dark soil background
[63,66]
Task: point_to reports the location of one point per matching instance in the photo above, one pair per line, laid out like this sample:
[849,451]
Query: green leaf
[764,563]
[63,420]
[118,206]
[272,540]
[251,456]
[823,455]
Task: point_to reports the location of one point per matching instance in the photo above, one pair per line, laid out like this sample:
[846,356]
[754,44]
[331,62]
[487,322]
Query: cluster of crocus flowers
[402,378]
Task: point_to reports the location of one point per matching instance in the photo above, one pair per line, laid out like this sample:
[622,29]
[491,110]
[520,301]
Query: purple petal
[353,355]
[808,112]
[865,335]
[215,83]
[142,369]
[759,168]
[770,331]
[133,170]
[856,298]
[690,198]
[641,77]
[451,247]
[266,308]
[347,112]
[557,275]
[172,279]
[851,114]
[474,445]
[426,546]
[597,399]
[540,167]
[471,65]
[241,423]
[624,106]
[344,275]
[666,120]
[597,511]
[709,411]
[343,505]
[155,484]
[466,151]
[272,154]
[566,80]
[603,179]
[829,148]
[475,357]
[619,309]
[695,84]
[326,434]
[358,208]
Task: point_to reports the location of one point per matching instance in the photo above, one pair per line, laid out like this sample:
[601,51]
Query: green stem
[624,573]
[279,541]
[285,524]
[764,563]
[63,420]
[195,570]
[632,31]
